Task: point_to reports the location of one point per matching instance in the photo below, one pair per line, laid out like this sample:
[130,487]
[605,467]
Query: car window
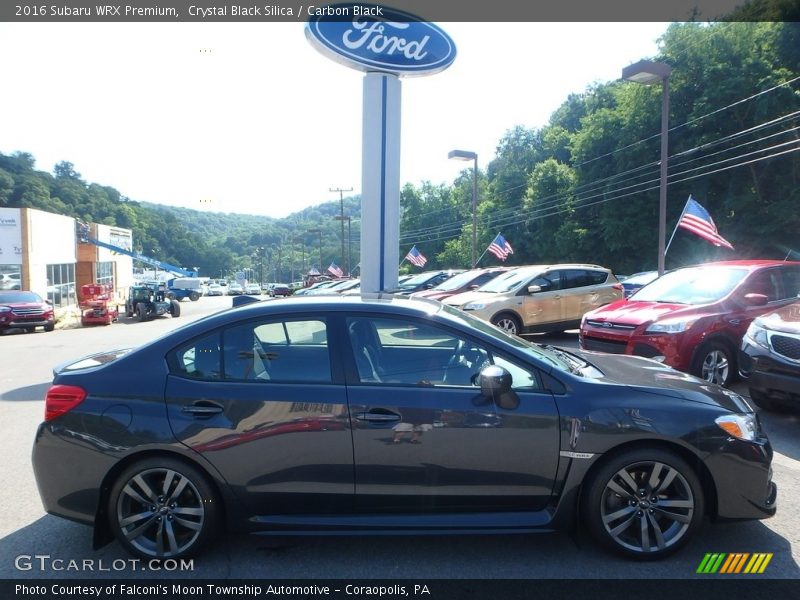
[200,359]
[549,282]
[763,282]
[402,352]
[791,282]
[277,351]
[521,378]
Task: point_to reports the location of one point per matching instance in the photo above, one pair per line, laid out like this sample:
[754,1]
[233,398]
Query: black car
[425,281]
[770,359]
[389,415]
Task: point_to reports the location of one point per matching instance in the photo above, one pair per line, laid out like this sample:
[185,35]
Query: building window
[61,284]
[105,273]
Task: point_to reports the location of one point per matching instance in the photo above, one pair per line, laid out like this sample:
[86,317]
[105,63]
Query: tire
[764,402]
[141,312]
[163,508]
[715,363]
[194,296]
[175,308]
[508,322]
[626,513]
[128,311]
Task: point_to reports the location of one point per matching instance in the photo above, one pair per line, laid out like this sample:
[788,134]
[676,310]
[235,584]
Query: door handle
[202,409]
[378,417]
[734,321]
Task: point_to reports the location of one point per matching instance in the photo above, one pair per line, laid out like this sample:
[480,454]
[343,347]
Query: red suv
[25,310]
[693,319]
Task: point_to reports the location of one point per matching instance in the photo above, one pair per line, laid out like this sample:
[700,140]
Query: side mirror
[533,289]
[496,385]
[755,299]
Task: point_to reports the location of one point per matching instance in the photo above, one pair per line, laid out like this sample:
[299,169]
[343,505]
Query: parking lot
[26,530]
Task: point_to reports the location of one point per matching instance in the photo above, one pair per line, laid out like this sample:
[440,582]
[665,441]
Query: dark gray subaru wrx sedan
[392,415]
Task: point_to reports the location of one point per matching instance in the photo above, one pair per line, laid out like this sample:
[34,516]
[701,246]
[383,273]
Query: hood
[28,305]
[632,312]
[785,320]
[466,297]
[649,376]
[432,294]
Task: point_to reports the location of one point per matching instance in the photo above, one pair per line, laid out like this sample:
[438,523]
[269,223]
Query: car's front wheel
[714,362]
[508,323]
[163,508]
[644,504]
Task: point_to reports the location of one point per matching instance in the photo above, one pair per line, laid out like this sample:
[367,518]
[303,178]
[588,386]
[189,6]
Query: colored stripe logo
[734,563]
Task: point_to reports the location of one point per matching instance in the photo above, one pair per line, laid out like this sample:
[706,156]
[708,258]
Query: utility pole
[341,216]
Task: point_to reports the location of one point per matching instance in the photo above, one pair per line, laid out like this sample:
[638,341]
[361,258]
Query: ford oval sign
[369,37]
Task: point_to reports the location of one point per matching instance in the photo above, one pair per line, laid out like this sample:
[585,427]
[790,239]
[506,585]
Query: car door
[778,284]
[547,305]
[425,439]
[264,402]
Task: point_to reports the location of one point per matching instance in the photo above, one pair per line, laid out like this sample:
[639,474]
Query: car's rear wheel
[174,308]
[508,323]
[163,508]
[714,363]
[644,504]
[141,311]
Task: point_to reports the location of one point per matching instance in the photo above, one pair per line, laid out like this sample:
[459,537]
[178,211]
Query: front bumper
[770,374]
[668,346]
[742,474]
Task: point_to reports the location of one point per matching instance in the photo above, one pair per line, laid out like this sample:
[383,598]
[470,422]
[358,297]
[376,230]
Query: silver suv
[539,298]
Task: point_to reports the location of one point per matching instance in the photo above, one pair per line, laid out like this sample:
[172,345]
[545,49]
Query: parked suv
[770,359]
[25,310]
[541,297]
[693,319]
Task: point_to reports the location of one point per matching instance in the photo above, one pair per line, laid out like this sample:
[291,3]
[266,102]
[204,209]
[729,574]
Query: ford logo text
[376,38]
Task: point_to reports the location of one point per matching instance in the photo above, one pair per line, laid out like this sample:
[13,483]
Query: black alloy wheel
[162,508]
[644,504]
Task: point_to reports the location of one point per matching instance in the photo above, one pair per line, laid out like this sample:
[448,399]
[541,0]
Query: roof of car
[749,263]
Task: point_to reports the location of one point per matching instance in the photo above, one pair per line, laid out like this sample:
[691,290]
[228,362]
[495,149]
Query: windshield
[695,285]
[457,281]
[642,278]
[535,351]
[510,281]
[418,279]
[12,297]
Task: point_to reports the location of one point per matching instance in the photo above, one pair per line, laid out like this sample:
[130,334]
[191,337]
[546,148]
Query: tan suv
[539,298]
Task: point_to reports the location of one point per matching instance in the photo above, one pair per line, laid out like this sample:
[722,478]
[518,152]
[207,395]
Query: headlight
[755,333]
[5,309]
[474,306]
[742,427]
[670,326]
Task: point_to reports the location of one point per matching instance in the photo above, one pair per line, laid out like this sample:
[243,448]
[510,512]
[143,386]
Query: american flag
[415,257]
[500,247]
[335,270]
[696,219]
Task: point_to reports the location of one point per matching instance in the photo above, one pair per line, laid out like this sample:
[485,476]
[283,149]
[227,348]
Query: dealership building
[42,252]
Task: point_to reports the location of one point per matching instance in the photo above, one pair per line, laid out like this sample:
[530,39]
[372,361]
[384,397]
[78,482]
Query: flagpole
[677,224]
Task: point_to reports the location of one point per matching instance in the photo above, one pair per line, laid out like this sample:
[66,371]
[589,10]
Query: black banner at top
[67,11]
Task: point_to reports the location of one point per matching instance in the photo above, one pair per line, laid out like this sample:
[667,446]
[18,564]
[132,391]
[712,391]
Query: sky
[250,118]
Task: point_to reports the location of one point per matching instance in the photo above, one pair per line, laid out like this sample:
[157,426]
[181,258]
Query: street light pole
[341,212]
[648,73]
[467,155]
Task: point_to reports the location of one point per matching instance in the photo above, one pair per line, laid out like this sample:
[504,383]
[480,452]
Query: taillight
[618,286]
[62,399]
